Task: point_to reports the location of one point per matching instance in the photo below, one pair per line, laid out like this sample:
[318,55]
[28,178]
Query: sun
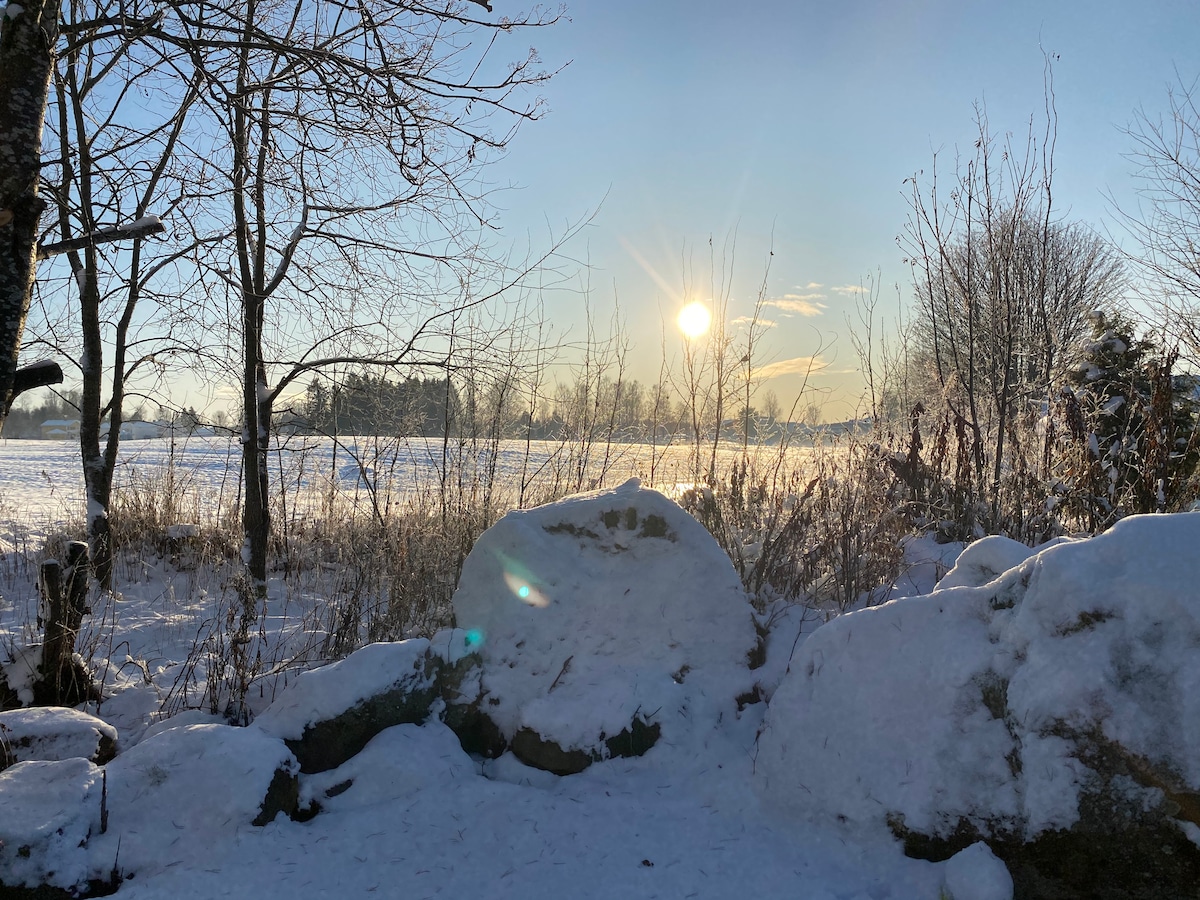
[694,319]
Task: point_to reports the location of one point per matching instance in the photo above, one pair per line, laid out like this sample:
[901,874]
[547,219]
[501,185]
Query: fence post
[64,603]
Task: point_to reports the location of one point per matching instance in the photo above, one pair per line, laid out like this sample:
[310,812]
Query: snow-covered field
[41,482]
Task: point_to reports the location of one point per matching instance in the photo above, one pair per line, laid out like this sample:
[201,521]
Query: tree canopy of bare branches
[1003,289]
[1167,222]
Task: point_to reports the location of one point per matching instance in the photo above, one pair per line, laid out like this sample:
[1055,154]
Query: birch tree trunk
[27,42]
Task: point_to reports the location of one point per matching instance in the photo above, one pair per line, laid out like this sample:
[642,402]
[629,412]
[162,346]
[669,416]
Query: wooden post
[64,602]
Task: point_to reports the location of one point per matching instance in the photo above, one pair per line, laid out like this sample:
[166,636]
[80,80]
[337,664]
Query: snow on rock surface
[602,610]
[324,693]
[1004,706]
[54,733]
[172,795]
[976,874]
[327,715]
[49,810]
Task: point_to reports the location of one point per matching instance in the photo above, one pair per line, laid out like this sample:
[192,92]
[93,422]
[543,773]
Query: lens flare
[521,581]
[525,591]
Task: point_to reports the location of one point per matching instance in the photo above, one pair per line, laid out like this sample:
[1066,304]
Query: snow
[396,765]
[821,749]
[1101,611]
[95,511]
[176,796]
[877,708]
[41,363]
[20,670]
[324,693]
[979,685]
[976,874]
[51,733]
[144,222]
[984,560]
[49,809]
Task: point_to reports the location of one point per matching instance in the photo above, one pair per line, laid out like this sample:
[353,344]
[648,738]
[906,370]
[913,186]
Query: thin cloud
[799,304]
[751,320]
[813,286]
[849,289]
[799,365]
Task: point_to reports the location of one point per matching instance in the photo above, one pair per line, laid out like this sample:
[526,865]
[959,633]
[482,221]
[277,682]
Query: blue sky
[685,120]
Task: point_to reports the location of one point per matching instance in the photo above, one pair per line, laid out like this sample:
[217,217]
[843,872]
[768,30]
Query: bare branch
[142,228]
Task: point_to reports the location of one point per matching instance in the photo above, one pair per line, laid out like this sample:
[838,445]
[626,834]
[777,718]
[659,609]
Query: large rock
[1053,711]
[602,622]
[51,809]
[327,715]
[208,780]
[54,733]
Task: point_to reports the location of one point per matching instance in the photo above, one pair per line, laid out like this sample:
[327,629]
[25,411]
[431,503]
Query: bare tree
[340,147]
[106,163]
[1003,289]
[1167,222]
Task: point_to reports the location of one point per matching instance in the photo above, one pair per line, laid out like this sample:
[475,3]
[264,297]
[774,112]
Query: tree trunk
[97,477]
[27,42]
[256,521]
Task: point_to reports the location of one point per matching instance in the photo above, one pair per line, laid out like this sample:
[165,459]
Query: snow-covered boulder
[53,733]
[1053,711]
[986,560]
[50,811]
[603,621]
[329,714]
[174,795]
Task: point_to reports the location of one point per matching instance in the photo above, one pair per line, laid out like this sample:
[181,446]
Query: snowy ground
[422,818]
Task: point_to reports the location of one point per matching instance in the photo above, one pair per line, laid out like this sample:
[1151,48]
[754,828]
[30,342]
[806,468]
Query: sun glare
[694,319]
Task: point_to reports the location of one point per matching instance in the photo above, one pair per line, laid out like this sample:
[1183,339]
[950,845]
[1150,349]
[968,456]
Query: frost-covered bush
[1127,430]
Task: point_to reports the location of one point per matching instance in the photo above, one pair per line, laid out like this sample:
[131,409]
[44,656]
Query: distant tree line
[508,407]
[364,403]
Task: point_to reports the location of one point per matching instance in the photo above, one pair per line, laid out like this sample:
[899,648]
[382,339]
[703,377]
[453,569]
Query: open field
[41,485]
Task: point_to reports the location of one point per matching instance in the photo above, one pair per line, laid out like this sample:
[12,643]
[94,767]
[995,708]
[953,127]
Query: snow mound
[176,795]
[1003,707]
[54,733]
[395,765]
[987,559]
[50,809]
[976,874]
[602,609]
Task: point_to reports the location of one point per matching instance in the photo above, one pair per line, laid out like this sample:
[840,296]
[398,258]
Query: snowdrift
[1059,698]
